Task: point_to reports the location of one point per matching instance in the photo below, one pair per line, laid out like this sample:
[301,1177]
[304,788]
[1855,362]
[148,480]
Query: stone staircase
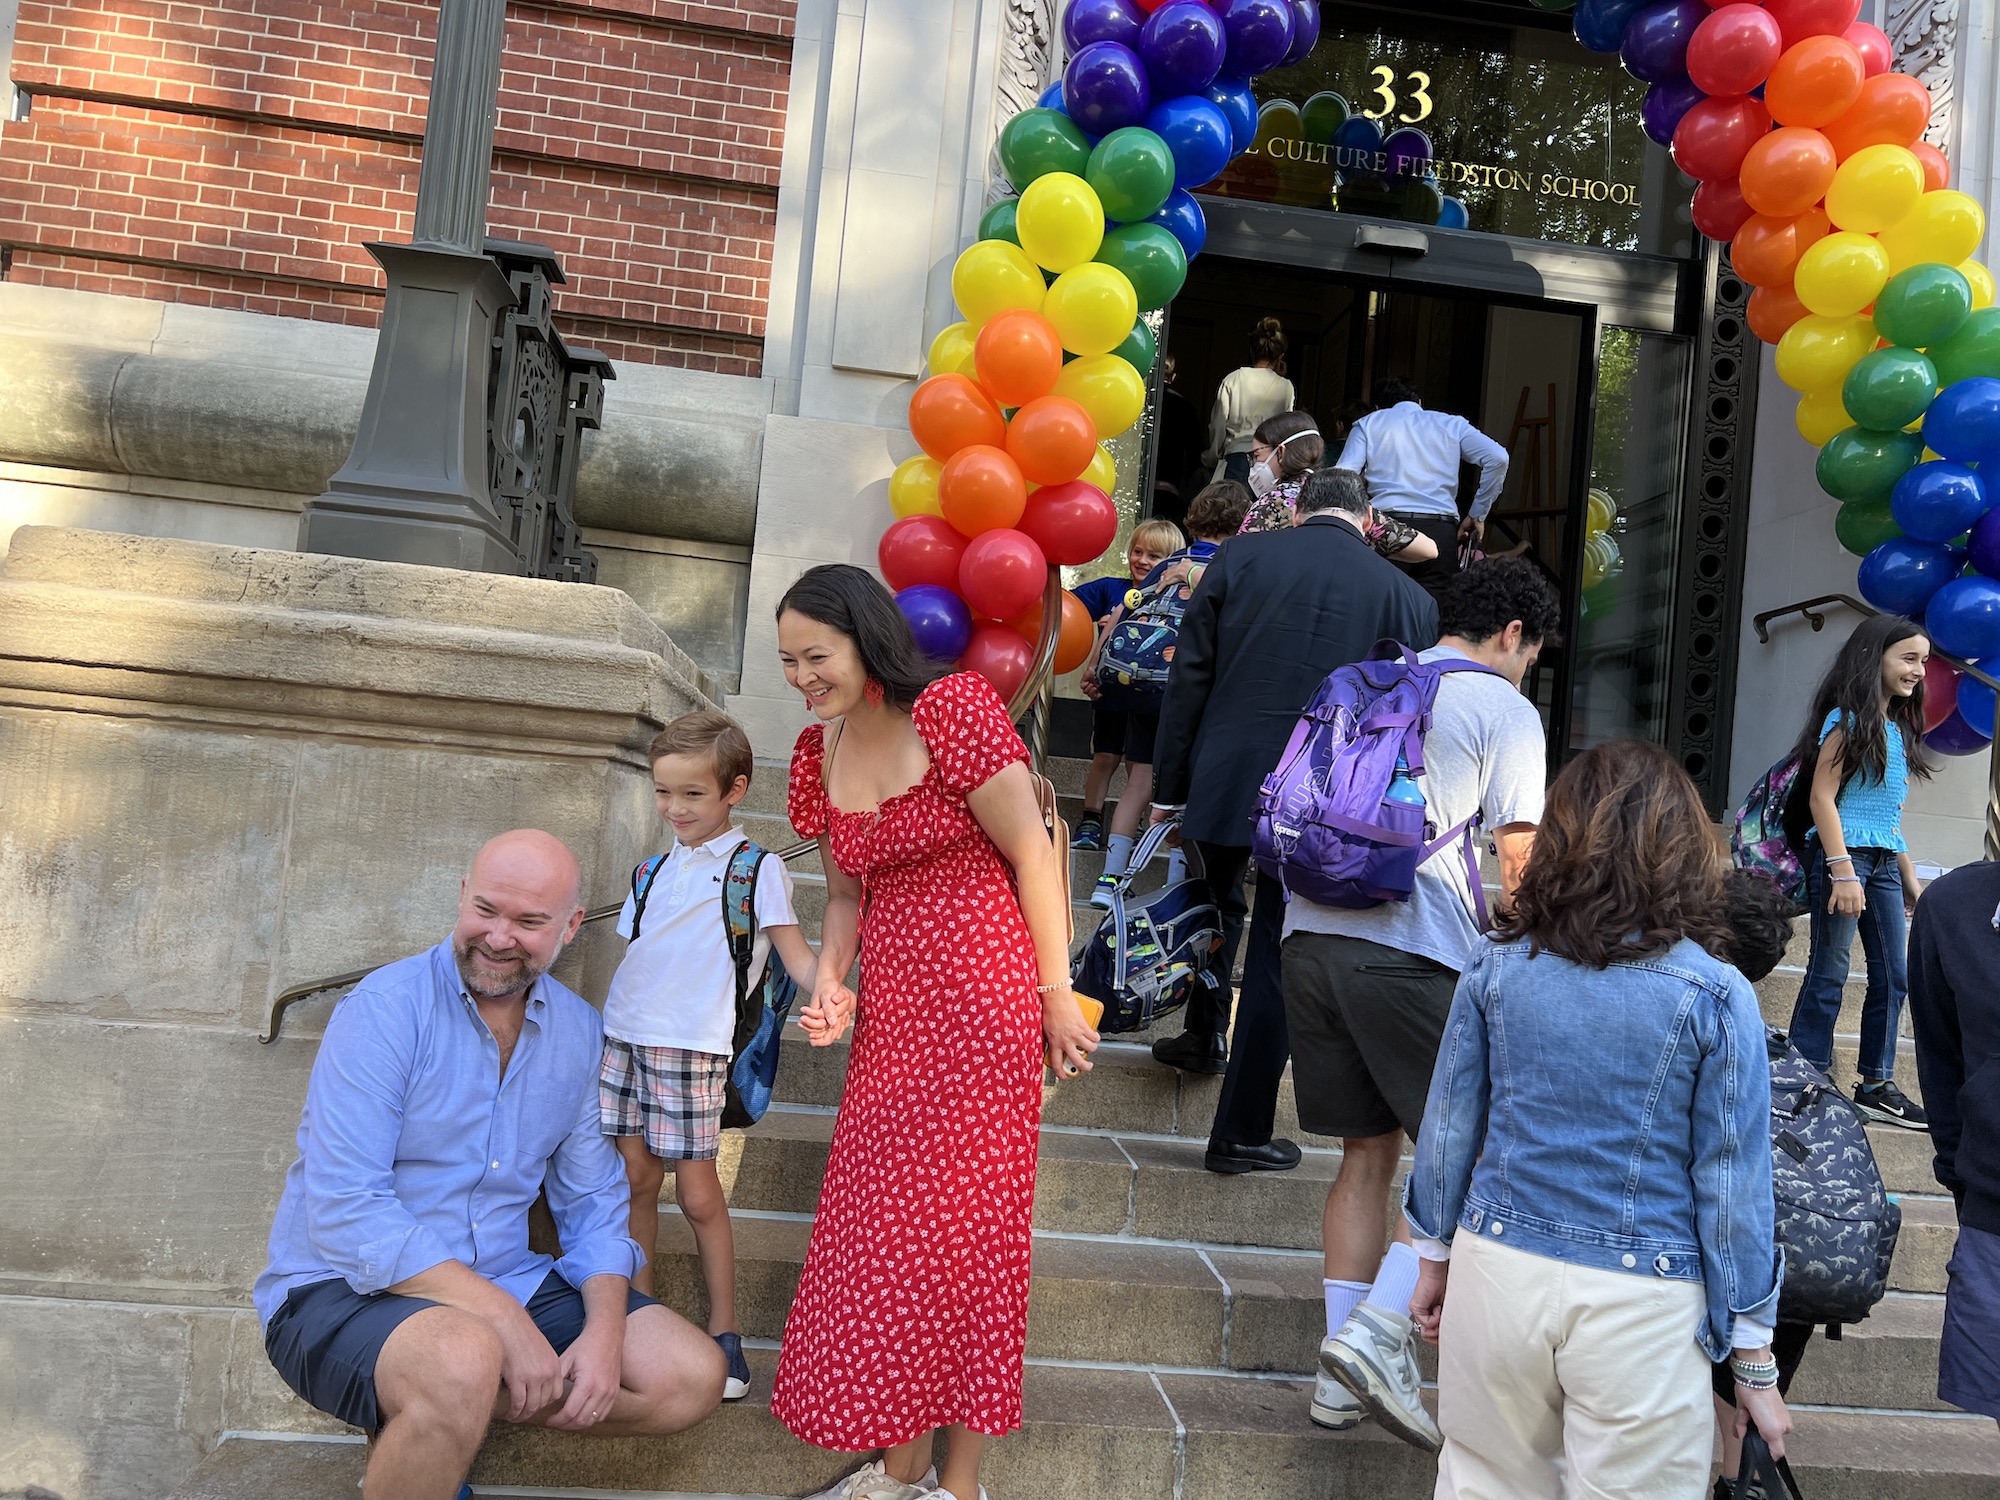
[1174,1317]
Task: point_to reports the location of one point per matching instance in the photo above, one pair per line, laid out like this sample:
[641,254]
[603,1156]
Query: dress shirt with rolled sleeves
[1410,458]
[414,1150]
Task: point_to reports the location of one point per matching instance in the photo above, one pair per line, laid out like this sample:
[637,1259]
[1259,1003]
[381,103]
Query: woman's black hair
[1853,687]
[854,602]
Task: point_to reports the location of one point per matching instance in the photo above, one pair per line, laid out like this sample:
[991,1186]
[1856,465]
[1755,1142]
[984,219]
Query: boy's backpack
[1835,1222]
[761,1007]
[1132,668]
[1149,954]
[1770,828]
[1325,825]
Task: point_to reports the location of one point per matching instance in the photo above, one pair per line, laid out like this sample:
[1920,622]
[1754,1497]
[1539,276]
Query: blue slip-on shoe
[737,1386]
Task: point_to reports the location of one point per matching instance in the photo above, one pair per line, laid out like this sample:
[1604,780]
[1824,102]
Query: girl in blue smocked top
[1861,744]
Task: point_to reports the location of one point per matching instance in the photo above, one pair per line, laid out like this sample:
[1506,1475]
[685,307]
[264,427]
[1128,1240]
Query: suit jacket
[1271,617]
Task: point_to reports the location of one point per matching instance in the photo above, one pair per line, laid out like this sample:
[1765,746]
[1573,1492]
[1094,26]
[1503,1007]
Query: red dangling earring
[874,693]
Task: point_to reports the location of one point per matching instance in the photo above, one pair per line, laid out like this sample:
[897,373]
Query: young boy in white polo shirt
[670,1019]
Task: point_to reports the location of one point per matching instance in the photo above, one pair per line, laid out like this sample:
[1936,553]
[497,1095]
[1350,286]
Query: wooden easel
[1538,464]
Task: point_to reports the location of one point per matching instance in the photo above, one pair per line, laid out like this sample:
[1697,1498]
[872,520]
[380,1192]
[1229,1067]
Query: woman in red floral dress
[912,1312]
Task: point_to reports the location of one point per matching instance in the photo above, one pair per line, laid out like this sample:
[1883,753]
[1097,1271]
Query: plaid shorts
[669,1095]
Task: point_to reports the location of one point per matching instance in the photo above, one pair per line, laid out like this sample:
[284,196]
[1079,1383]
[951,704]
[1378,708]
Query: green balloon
[997,223]
[1132,172]
[1922,306]
[1418,200]
[1140,348]
[1889,388]
[1864,463]
[1863,525]
[1039,141]
[1323,115]
[1973,350]
[1152,260]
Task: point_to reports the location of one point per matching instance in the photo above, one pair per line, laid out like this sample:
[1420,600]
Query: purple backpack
[1326,826]
[1768,836]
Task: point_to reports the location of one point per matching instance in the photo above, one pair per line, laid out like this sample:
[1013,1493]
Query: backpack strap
[739,913]
[642,887]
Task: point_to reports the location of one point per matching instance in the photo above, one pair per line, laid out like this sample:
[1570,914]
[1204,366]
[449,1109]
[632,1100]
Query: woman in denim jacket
[1595,1162]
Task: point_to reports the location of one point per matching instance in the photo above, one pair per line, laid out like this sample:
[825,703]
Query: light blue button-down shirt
[414,1151]
[1410,457]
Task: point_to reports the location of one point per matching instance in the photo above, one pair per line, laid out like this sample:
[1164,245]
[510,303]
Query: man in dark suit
[1273,615]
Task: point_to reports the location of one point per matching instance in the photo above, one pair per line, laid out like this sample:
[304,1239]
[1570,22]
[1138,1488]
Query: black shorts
[1365,1024]
[1107,731]
[1140,732]
[325,1339]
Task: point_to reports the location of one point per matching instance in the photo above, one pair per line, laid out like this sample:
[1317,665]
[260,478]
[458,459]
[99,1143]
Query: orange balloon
[1018,356]
[950,412]
[1937,171]
[981,490]
[1892,111]
[1774,309]
[1053,440]
[1787,171]
[1075,636]
[1815,82]
[1766,250]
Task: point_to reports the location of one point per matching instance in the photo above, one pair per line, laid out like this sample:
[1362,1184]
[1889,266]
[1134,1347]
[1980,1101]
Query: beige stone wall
[224,772]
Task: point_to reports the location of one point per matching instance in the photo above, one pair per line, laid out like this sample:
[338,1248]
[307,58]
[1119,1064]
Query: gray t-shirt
[1485,752]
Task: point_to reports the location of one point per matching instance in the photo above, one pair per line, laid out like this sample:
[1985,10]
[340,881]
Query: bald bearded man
[401,1295]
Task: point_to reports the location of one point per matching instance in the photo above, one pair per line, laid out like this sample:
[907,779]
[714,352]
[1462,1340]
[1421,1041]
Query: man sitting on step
[401,1296]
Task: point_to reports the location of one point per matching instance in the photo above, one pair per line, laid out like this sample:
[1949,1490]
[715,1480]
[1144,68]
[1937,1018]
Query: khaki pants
[1561,1382]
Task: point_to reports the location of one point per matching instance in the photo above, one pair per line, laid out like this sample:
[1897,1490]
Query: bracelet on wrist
[1846,880]
[1052,989]
[1755,1376]
[1840,859]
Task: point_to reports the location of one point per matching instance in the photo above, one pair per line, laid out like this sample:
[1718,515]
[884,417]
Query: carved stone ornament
[1029,57]
[1924,34]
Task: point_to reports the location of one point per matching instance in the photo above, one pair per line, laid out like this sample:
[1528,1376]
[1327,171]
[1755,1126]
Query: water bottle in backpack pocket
[1150,953]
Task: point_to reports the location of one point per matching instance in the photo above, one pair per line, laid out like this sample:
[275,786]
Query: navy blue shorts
[1969,1353]
[326,1338]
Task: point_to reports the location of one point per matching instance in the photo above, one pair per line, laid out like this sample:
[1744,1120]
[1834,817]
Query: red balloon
[1799,19]
[1719,209]
[1892,111]
[1072,523]
[1878,53]
[1940,692]
[981,490]
[950,412]
[1787,171]
[1773,310]
[1714,137]
[1002,574]
[920,549]
[998,654]
[1053,440]
[1734,49]
[1937,171]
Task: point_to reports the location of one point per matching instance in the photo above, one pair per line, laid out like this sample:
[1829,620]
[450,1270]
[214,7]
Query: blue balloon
[1663,107]
[1357,147]
[1963,422]
[1600,24]
[939,619]
[1901,574]
[1654,47]
[1052,98]
[1088,21]
[1182,46]
[1976,699]
[1452,215]
[1105,88]
[1963,618]
[1197,133]
[1183,219]
[1938,501]
[1259,33]
[1238,104]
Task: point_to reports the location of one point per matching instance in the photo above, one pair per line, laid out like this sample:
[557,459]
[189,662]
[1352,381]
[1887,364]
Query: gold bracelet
[1051,989]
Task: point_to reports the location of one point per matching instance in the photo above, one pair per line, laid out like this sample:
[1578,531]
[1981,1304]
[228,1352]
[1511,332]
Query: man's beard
[486,980]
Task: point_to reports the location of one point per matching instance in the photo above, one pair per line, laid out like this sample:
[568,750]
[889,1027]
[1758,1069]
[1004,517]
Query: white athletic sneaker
[872,1482]
[1333,1404]
[1373,1355]
[941,1493]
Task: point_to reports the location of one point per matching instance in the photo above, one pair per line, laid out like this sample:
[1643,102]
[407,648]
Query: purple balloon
[1956,737]
[1655,45]
[1305,31]
[1985,551]
[1183,46]
[1408,152]
[1088,21]
[1105,88]
[939,619]
[1664,106]
[1259,32]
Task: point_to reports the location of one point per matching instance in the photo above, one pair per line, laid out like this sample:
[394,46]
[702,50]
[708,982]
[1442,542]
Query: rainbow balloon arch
[1807,150]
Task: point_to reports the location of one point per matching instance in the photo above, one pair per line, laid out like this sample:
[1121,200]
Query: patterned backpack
[1149,953]
[760,1008]
[1132,668]
[1769,831]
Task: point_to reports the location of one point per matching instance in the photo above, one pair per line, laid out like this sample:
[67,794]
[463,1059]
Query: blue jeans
[1882,942]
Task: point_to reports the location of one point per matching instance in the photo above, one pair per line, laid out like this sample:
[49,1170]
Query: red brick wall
[239,153]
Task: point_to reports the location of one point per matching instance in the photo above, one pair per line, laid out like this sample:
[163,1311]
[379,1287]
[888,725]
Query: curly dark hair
[1219,509]
[1396,388]
[1484,599]
[1625,862]
[853,602]
[1760,921]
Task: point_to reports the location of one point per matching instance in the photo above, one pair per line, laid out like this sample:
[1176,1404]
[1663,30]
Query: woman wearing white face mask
[1284,451]
[1245,399]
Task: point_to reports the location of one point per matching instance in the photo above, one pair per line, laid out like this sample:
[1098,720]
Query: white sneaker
[1374,1356]
[873,1482]
[941,1493]
[1333,1405]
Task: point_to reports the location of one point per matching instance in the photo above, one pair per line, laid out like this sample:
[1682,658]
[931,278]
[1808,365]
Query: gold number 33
[1385,90]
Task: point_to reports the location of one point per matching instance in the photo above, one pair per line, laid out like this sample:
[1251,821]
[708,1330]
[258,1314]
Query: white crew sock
[1176,866]
[1342,1297]
[1396,1282]
[1118,854]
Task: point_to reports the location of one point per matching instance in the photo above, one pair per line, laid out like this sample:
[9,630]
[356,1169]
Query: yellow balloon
[1944,226]
[1841,274]
[1818,351]
[1103,471]
[1981,281]
[1092,308]
[1874,188]
[1820,416]
[913,488]
[1601,510]
[1060,221]
[1107,387]
[995,276]
[951,351]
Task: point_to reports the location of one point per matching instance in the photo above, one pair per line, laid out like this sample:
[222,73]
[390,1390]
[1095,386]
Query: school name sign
[1450,173]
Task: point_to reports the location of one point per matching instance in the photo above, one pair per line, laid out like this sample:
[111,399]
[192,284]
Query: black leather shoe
[1193,1053]
[1273,1156]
